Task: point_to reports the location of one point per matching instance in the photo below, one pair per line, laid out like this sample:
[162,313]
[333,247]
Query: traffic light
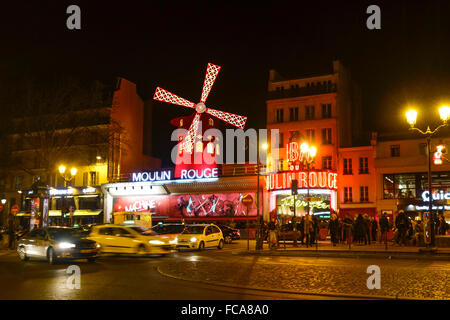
[438,156]
[294,186]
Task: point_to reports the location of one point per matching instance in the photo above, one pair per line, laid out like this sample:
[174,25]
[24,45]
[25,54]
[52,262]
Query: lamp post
[259,236]
[307,155]
[67,178]
[411,118]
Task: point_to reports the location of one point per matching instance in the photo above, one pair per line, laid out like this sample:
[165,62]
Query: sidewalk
[326,249]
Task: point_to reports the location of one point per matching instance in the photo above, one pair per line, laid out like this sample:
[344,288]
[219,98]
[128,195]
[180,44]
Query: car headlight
[66,245]
[193,239]
[98,245]
[156,242]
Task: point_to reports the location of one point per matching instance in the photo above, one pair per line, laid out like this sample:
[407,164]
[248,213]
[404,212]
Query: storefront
[317,189]
[193,197]
[84,205]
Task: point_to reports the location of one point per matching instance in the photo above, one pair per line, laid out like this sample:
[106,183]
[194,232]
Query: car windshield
[168,229]
[61,233]
[193,230]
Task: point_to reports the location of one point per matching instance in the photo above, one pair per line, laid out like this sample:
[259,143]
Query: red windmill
[210,77]
[187,142]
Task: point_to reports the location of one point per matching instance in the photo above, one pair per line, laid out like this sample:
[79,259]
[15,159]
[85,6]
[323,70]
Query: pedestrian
[401,223]
[360,229]
[339,230]
[301,227]
[442,225]
[333,227]
[374,229]
[367,229]
[418,231]
[272,234]
[384,227]
[307,228]
[347,224]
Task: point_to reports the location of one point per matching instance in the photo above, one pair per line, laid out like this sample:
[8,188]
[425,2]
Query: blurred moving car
[168,231]
[229,234]
[200,236]
[53,243]
[129,239]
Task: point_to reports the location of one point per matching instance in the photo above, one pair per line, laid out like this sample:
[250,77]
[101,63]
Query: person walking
[347,225]
[307,229]
[333,227]
[442,225]
[272,234]
[374,229]
[367,224]
[401,223]
[301,226]
[384,227]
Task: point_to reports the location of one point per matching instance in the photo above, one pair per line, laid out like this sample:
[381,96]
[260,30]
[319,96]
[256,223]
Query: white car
[112,238]
[200,236]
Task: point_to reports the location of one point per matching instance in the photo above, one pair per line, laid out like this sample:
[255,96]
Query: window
[106,231]
[395,150]
[309,112]
[280,115]
[326,110]
[281,141]
[363,165]
[326,163]
[364,194]
[348,194]
[400,186]
[310,135]
[94,177]
[293,114]
[293,135]
[348,166]
[326,136]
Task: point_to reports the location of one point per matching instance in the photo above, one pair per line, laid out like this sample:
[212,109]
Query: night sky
[169,43]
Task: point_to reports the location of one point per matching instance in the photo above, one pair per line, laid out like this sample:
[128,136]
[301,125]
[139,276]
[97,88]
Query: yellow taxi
[200,236]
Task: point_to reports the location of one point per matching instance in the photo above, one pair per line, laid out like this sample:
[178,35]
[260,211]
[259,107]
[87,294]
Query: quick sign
[436,196]
[315,180]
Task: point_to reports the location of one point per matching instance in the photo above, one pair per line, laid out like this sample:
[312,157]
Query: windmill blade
[234,119]
[210,77]
[190,136]
[166,96]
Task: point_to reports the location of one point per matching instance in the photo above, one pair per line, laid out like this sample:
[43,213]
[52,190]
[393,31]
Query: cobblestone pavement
[399,278]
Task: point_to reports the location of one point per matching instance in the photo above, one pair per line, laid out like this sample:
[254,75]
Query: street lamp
[307,156]
[258,236]
[67,178]
[411,118]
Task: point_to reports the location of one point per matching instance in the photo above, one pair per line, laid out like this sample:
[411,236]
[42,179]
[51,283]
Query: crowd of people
[360,229]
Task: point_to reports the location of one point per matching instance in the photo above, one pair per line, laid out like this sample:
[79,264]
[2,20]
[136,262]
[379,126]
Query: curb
[331,295]
[343,254]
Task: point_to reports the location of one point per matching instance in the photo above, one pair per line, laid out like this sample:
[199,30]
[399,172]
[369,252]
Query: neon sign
[199,173]
[315,180]
[152,176]
[59,192]
[436,196]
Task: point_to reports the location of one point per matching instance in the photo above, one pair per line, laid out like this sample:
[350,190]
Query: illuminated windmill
[200,108]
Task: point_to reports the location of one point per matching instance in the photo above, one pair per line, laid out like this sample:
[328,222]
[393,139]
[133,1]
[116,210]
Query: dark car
[230,234]
[53,243]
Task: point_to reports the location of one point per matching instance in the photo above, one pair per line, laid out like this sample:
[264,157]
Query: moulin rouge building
[322,110]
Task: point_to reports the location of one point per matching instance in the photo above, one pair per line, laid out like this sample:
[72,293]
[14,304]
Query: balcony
[301,91]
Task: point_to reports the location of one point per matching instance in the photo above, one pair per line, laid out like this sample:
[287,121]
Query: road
[222,274]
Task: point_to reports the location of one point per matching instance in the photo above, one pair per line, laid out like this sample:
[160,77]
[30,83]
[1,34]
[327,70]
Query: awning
[87,212]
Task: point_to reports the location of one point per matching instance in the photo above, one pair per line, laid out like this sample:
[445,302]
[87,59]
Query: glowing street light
[62,169]
[73,171]
[411,117]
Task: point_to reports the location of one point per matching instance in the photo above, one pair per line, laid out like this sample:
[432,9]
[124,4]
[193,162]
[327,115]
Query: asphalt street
[223,274]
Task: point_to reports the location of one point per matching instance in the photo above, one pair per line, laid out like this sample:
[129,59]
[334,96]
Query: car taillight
[238,233]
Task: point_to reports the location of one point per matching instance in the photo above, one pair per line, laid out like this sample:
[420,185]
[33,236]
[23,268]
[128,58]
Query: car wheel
[51,256]
[91,259]
[201,245]
[228,240]
[141,250]
[220,246]
[22,254]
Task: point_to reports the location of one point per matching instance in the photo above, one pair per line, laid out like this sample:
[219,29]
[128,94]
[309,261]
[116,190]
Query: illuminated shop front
[194,197]
[321,196]
[410,190]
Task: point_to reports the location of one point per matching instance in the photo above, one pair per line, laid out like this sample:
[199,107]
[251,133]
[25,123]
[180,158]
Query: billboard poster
[45,212]
[34,217]
[191,205]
